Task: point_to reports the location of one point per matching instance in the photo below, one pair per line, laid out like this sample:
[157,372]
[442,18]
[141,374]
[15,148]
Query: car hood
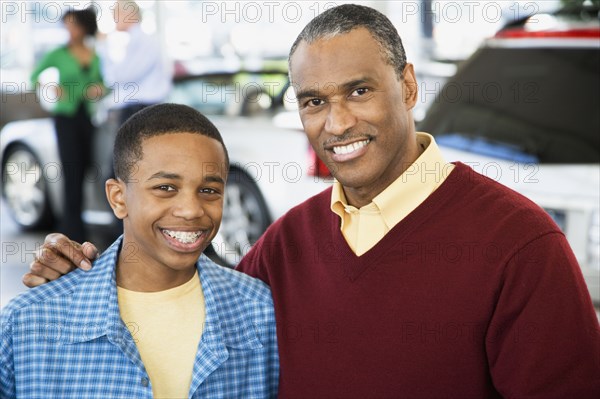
[543,183]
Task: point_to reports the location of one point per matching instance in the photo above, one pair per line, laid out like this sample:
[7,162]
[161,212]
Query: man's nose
[339,119]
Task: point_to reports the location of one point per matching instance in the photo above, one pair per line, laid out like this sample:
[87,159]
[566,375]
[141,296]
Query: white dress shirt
[139,74]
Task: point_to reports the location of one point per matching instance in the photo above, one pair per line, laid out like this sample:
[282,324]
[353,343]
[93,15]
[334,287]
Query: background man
[140,75]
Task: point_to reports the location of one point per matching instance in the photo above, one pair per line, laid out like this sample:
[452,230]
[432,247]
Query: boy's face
[172,205]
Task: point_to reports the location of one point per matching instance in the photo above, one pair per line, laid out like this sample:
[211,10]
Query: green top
[73,79]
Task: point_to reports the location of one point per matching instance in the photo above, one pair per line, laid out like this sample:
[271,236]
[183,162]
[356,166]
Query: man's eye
[165,187]
[314,102]
[359,92]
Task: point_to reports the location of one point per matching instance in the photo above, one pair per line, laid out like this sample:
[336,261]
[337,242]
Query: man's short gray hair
[345,18]
[130,10]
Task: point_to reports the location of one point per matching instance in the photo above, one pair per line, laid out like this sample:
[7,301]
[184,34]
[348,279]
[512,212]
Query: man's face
[356,111]
[173,202]
[124,15]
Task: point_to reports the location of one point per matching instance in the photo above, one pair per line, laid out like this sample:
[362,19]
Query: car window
[232,94]
[542,102]
[208,95]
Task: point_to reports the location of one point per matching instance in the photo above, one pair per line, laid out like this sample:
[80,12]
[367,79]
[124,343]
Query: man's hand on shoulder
[59,256]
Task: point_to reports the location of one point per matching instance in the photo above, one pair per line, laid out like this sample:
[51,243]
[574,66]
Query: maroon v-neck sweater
[475,294]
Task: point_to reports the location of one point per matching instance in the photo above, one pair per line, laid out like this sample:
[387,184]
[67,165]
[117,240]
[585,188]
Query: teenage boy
[155,317]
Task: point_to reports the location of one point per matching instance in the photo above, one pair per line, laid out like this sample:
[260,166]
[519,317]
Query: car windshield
[208,94]
[541,103]
[232,94]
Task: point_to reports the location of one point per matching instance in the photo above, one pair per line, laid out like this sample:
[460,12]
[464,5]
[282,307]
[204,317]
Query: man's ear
[115,194]
[411,89]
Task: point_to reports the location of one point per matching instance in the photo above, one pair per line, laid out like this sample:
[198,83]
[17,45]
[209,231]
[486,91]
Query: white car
[269,172]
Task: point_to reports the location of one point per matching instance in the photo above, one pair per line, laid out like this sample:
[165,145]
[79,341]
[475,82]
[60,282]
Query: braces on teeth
[183,236]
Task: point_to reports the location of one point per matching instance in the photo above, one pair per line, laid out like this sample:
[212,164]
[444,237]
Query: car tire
[25,189]
[245,219]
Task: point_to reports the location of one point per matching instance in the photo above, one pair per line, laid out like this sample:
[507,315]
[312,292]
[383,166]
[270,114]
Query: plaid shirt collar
[94,313]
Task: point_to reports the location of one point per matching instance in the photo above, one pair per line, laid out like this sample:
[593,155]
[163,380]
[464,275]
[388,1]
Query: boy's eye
[165,187]
[209,190]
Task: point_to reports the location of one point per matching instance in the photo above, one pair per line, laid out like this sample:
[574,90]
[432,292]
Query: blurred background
[203,36]
[230,61]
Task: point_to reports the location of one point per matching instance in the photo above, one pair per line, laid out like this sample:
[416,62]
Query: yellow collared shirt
[364,227]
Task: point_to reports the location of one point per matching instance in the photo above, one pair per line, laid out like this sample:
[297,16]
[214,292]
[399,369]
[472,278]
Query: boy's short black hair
[85,18]
[153,121]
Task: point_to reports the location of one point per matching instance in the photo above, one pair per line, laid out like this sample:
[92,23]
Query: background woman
[79,85]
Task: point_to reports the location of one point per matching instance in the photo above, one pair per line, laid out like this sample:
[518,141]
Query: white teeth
[347,149]
[185,237]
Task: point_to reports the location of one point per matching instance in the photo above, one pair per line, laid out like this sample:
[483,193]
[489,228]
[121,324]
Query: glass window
[542,101]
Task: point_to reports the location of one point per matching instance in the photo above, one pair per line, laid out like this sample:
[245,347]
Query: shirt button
[144,382]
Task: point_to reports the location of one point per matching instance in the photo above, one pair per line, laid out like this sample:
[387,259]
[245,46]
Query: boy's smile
[185,240]
[171,208]
[182,236]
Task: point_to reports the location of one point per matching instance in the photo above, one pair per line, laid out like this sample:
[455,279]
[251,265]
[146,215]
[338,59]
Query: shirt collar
[339,204]
[414,185]
[94,312]
[220,298]
[94,309]
[135,29]
[223,327]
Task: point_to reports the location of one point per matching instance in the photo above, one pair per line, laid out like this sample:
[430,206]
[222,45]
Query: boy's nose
[189,207]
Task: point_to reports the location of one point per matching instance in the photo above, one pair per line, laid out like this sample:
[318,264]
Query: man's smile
[349,148]
[347,151]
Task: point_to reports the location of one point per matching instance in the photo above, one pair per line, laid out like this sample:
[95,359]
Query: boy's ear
[115,194]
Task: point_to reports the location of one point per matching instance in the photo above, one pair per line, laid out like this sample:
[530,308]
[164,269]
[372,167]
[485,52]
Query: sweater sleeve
[254,262]
[544,339]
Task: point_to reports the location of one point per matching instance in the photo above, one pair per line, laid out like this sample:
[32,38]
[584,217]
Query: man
[437,282]
[139,74]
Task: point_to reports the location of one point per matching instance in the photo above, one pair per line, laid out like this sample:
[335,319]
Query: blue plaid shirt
[66,339]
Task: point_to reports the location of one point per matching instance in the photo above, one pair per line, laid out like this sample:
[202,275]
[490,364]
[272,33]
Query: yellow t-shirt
[166,327]
[363,228]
